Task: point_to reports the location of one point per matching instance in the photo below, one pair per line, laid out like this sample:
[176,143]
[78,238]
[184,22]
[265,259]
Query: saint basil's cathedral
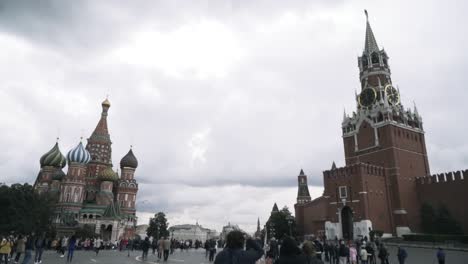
[91,193]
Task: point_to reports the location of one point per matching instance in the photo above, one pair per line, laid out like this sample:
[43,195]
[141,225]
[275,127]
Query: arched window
[365,61]
[375,58]
[385,61]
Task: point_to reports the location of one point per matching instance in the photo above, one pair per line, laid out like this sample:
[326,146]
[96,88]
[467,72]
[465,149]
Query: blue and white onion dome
[78,155]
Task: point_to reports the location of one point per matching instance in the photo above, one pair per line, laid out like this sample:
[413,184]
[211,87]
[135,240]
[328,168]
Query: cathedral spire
[99,143]
[370,44]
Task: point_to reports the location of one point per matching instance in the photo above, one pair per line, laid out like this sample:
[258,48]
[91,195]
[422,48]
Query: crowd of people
[238,248]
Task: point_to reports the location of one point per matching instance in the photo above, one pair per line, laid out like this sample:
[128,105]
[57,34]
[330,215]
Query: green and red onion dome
[53,158]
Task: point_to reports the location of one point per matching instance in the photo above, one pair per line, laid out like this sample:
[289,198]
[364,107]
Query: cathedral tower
[51,163]
[99,147]
[72,188]
[127,186]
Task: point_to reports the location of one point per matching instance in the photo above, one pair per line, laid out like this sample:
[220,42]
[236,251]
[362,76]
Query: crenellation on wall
[355,169]
[441,178]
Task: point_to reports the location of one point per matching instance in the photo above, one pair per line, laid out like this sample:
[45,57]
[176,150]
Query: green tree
[25,211]
[281,223]
[428,217]
[439,222]
[158,226]
[445,223]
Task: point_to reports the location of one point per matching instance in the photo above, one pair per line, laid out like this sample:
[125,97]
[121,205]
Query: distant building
[229,228]
[141,230]
[191,232]
[91,192]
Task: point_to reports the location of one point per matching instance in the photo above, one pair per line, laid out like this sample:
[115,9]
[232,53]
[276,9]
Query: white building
[191,232]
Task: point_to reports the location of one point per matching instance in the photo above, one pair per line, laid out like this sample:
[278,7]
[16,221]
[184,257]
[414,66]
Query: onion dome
[53,158]
[108,174]
[58,175]
[79,155]
[129,160]
[106,103]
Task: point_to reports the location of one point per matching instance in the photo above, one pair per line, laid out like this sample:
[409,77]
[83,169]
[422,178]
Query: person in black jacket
[145,245]
[233,253]
[290,253]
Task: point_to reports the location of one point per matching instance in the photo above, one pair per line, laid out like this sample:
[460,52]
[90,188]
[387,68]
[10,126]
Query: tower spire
[370,44]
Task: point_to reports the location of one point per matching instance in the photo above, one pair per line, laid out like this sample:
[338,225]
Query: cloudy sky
[224,101]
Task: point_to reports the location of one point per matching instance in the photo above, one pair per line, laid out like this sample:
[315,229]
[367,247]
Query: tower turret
[127,185]
[50,162]
[303,195]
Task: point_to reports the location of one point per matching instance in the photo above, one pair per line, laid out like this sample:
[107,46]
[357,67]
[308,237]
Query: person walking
[5,249]
[212,250]
[71,248]
[383,254]
[20,247]
[401,255]
[234,253]
[160,247]
[363,254]
[290,253]
[343,253]
[441,256]
[352,254]
[308,249]
[63,245]
[28,248]
[166,248]
[40,245]
[145,245]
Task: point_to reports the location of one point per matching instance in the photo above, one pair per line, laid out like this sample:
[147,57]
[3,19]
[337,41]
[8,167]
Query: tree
[428,217]
[158,226]
[440,222]
[445,223]
[25,211]
[281,223]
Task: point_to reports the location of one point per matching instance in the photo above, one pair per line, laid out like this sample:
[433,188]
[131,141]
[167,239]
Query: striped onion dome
[58,175]
[108,174]
[53,158]
[79,155]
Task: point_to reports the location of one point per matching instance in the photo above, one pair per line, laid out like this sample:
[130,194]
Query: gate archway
[347,223]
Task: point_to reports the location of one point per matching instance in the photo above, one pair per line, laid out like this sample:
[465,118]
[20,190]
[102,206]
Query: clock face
[367,97]
[392,95]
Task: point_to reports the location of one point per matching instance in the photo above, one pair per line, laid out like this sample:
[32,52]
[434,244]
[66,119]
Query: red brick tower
[383,133]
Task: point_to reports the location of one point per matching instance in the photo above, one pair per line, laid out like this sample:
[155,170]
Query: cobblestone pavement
[415,255]
[116,257]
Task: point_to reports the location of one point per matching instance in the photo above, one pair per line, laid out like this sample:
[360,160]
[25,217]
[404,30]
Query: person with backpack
[363,254]
[233,253]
